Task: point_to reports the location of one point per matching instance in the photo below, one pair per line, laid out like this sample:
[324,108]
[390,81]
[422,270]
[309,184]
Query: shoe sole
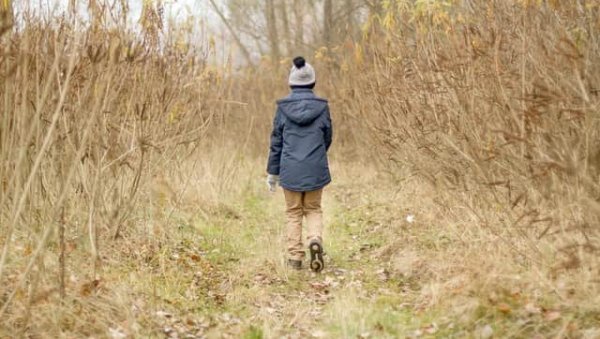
[316,257]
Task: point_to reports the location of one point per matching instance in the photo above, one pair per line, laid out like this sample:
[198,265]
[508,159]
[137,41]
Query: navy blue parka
[301,137]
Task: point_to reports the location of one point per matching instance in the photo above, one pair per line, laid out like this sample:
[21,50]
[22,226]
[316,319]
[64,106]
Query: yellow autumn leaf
[358,54]
[389,20]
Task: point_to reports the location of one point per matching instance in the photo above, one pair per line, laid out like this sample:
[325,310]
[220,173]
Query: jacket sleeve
[328,130]
[276,145]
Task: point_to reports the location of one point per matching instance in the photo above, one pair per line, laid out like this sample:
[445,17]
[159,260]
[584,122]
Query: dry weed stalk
[494,104]
[88,118]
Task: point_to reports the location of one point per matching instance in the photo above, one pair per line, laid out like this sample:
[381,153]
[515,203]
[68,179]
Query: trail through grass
[227,276]
[274,301]
[222,274]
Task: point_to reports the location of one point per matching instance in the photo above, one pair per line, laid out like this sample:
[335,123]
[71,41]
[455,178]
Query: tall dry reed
[90,116]
[494,105]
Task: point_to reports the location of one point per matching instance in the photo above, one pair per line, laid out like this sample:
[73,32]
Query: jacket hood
[303,112]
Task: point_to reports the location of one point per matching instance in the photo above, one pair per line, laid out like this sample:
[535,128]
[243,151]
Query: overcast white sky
[178,9]
[206,21]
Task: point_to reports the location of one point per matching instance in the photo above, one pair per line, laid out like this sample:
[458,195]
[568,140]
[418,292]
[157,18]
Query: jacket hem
[305,189]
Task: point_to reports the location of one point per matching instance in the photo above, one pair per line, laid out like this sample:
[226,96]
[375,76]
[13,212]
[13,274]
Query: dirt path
[258,296]
[221,273]
[217,269]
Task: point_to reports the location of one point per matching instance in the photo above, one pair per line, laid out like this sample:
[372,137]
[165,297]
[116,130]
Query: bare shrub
[493,103]
[89,118]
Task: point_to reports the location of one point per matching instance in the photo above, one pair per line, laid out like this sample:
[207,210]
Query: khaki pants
[299,205]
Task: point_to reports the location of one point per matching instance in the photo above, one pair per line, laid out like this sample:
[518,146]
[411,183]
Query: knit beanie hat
[302,73]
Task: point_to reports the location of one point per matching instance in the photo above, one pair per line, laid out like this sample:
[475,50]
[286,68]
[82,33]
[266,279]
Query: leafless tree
[299,26]
[233,32]
[328,23]
[280,28]
[283,14]
[272,31]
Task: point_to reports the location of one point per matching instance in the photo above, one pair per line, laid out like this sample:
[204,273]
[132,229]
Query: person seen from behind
[301,136]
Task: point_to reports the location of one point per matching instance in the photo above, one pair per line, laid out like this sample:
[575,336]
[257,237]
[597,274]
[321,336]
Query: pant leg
[293,202]
[314,215]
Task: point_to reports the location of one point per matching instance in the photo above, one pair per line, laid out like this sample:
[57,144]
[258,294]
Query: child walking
[300,140]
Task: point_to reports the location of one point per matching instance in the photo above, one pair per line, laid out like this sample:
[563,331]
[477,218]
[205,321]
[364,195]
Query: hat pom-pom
[299,62]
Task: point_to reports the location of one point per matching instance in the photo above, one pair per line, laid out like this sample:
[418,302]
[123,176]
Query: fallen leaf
[552,315]
[573,327]
[319,286]
[532,309]
[315,313]
[322,298]
[260,277]
[318,334]
[486,332]
[365,247]
[339,271]
[89,287]
[170,332]
[329,280]
[504,308]
[71,246]
[383,274]
[116,333]
[431,329]
[163,314]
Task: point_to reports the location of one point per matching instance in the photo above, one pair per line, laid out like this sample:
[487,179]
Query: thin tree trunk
[72,6]
[124,11]
[299,21]
[272,31]
[95,11]
[350,19]
[327,23]
[286,26]
[243,48]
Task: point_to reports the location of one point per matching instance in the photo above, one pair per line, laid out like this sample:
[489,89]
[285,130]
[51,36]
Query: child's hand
[272,181]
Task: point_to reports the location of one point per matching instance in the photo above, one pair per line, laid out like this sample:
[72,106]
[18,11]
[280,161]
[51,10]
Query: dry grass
[90,119]
[133,204]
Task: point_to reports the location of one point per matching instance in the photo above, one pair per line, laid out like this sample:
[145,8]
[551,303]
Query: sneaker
[295,264]
[316,256]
